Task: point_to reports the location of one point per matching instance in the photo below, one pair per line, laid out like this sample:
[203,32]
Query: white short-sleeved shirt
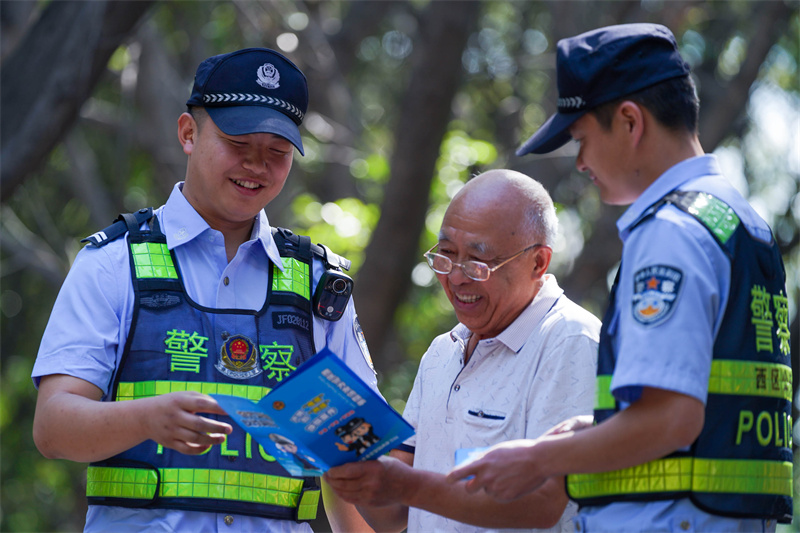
[674,354]
[85,336]
[538,372]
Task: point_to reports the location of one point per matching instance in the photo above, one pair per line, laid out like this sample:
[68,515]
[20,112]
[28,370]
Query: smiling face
[229,179]
[485,222]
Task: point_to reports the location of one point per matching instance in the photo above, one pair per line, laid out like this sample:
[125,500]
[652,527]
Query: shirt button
[226,281]
[228,520]
[685,525]
[457,388]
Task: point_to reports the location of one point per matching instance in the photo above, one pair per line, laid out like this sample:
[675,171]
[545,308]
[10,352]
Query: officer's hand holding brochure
[322,415]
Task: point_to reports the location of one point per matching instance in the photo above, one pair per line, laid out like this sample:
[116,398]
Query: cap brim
[244,120]
[552,135]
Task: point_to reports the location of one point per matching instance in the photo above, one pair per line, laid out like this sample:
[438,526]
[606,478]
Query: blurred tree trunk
[15,17]
[394,248]
[328,63]
[722,103]
[160,97]
[52,71]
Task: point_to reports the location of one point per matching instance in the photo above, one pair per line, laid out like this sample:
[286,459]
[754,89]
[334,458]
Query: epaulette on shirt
[119,227]
[283,238]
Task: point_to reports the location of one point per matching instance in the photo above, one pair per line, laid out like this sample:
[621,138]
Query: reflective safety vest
[741,464]
[174,344]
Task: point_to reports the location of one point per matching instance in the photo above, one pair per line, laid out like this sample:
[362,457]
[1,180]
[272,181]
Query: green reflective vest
[741,464]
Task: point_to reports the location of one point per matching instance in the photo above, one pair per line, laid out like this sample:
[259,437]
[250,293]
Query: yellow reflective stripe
[742,476]
[147,389]
[309,502]
[750,378]
[745,378]
[664,475]
[294,277]
[121,482]
[153,260]
[200,483]
[603,397]
[737,476]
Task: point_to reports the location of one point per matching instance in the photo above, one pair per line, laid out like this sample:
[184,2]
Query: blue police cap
[255,90]
[600,66]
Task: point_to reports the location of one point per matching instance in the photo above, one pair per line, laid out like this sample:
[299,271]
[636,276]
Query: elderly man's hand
[372,483]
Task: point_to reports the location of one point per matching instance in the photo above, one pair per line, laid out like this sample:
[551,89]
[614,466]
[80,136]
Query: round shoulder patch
[655,293]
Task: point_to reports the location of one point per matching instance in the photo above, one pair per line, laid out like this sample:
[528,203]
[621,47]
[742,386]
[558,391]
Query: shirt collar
[517,333]
[182,223]
[670,180]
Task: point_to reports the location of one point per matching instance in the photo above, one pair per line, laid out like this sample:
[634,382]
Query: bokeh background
[409,99]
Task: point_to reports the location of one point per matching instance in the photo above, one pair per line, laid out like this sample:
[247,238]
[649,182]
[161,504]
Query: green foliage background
[505,76]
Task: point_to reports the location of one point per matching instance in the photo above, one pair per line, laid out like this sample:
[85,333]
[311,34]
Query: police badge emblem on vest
[238,358]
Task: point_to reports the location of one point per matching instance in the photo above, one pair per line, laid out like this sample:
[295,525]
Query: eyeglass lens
[443,265]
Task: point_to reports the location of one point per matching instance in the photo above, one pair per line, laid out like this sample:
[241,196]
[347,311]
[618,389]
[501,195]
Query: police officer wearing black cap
[200,296]
[692,424]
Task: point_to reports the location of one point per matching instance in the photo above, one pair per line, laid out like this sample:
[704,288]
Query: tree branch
[45,81]
[394,248]
[729,100]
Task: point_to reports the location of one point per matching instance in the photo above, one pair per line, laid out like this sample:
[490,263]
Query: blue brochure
[321,415]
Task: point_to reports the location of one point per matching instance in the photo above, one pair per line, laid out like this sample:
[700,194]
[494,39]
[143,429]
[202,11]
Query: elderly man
[696,321]
[521,359]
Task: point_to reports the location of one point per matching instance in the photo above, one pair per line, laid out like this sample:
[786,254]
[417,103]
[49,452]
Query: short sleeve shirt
[85,336]
[673,353]
[538,372]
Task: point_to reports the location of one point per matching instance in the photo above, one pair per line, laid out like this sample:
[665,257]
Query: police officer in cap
[692,425]
[200,296]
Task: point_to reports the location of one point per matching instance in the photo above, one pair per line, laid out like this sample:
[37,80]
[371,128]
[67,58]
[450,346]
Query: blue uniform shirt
[85,336]
[677,354]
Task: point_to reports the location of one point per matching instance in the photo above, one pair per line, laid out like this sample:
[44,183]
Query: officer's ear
[631,116]
[187,132]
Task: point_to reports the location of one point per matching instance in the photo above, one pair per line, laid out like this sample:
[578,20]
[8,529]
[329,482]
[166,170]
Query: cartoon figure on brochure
[356,434]
[290,448]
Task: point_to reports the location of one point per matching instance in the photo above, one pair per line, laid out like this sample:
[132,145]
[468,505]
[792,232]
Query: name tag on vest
[291,321]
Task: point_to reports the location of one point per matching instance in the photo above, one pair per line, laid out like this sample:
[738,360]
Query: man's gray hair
[540,222]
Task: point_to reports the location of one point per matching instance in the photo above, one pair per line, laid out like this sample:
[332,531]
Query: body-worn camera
[332,294]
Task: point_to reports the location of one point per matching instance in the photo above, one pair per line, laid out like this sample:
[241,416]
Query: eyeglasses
[474,270]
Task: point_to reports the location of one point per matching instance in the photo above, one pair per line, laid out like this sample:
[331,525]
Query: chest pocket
[486,426]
